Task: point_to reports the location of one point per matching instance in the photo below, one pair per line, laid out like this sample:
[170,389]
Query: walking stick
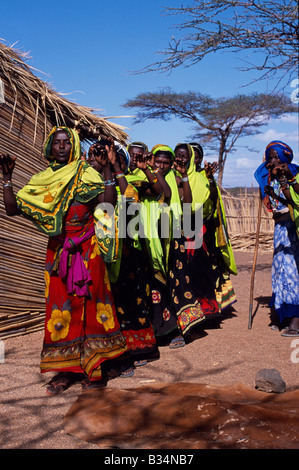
[254,263]
[254,260]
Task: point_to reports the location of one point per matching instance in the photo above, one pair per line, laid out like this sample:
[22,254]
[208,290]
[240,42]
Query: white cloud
[289,118]
[272,134]
[243,163]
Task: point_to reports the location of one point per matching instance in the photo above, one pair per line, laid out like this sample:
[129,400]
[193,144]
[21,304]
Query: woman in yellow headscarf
[220,264]
[216,235]
[81,326]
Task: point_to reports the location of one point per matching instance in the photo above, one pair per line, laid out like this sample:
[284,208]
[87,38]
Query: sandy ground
[224,355]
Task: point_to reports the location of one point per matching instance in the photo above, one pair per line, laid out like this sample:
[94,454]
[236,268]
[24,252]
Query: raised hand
[270,191]
[283,170]
[7,164]
[150,160]
[99,154]
[210,169]
[180,166]
[111,151]
[141,161]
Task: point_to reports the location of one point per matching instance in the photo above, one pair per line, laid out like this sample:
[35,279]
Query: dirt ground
[226,354]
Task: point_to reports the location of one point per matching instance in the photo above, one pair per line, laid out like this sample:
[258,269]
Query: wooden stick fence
[242,215]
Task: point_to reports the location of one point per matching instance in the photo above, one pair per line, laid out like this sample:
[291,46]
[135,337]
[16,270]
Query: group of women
[112,294]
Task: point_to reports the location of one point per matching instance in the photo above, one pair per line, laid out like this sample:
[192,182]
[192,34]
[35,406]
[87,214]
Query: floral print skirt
[81,332]
[285,271]
[132,294]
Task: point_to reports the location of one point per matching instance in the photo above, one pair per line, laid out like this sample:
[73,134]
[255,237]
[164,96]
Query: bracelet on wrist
[282,180]
[119,175]
[185,179]
[118,172]
[154,180]
[7,184]
[109,182]
[292,181]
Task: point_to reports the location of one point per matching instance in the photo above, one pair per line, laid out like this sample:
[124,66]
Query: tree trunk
[221,160]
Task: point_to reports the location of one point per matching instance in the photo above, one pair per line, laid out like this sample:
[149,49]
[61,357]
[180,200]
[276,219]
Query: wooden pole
[254,263]
[255,258]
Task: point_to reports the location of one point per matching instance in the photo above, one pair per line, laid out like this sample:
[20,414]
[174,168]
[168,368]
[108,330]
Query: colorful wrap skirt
[189,296]
[190,285]
[132,294]
[285,271]
[81,326]
[225,293]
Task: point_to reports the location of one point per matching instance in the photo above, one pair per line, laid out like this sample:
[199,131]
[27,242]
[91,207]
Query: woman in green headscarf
[176,311]
[164,320]
[81,326]
[190,271]
[217,248]
[216,236]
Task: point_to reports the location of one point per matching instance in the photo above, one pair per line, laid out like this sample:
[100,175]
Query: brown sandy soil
[224,355]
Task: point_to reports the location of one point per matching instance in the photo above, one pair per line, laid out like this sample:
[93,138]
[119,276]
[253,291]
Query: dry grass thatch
[49,104]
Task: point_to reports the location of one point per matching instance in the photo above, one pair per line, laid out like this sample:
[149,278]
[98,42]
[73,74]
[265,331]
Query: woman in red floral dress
[81,327]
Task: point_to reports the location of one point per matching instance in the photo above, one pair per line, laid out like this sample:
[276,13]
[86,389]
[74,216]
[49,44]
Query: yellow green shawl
[110,233]
[149,215]
[200,188]
[295,198]
[49,194]
[174,211]
[221,236]
[198,182]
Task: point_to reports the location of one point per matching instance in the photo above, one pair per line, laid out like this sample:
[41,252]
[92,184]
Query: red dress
[81,330]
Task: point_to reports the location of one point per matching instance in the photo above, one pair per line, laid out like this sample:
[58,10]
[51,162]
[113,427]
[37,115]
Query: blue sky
[90,53]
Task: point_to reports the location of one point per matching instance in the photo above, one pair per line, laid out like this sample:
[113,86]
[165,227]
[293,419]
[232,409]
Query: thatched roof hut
[29,108]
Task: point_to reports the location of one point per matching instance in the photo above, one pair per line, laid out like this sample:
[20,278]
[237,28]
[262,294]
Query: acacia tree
[219,122]
[266,26]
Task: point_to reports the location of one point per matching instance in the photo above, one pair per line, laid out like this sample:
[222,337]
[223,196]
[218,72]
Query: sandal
[129,372]
[140,363]
[61,382]
[291,333]
[177,342]
[92,384]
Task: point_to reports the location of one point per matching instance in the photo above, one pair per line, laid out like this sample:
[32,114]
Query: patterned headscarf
[138,144]
[284,152]
[285,155]
[75,153]
[49,193]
